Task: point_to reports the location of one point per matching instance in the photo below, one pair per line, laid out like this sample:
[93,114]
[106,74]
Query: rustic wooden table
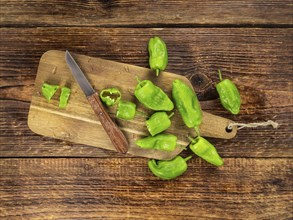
[251,41]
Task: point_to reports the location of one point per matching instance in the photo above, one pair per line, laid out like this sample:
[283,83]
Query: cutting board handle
[115,134]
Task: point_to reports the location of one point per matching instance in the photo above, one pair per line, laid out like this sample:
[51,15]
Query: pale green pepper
[126,110]
[187,104]
[152,97]
[110,96]
[64,96]
[49,90]
[204,149]
[229,95]
[164,142]
[168,169]
[158,122]
[158,54]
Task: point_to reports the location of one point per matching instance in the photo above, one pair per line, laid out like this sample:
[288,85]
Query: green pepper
[151,96]
[158,122]
[126,110]
[110,96]
[165,142]
[168,169]
[229,95]
[204,149]
[187,104]
[158,54]
[49,90]
[64,96]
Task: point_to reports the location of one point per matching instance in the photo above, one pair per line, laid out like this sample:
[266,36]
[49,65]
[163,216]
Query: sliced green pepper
[49,90]
[204,149]
[158,122]
[158,54]
[151,96]
[64,96]
[126,110]
[229,95]
[110,96]
[187,104]
[168,169]
[165,142]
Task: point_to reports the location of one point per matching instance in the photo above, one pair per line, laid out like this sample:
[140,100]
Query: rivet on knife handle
[115,134]
[117,137]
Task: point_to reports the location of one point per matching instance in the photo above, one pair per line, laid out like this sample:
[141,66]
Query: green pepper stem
[220,74]
[182,147]
[187,158]
[169,116]
[157,72]
[197,131]
[191,139]
[137,79]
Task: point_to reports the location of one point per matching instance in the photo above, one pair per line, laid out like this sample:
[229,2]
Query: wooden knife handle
[115,134]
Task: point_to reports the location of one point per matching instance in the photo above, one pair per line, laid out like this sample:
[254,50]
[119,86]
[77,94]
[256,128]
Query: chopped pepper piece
[158,54]
[64,96]
[151,96]
[158,122]
[168,169]
[49,90]
[126,110]
[204,149]
[229,95]
[110,96]
[165,142]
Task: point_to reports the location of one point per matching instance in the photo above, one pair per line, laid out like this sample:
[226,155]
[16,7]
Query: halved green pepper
[229,95]
[187,103]
[158,54]
[168,169]
[158,122]
[151,96]
[204,149]
[110,96]
[165,142]
[64,96]
[126,110]
[49,90]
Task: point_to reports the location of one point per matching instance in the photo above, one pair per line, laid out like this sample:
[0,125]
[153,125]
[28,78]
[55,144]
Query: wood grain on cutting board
[78,123]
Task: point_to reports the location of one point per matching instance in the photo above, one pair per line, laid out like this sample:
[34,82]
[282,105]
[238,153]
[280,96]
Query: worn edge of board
[137,151]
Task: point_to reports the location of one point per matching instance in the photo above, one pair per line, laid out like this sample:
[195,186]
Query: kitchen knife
[115,134]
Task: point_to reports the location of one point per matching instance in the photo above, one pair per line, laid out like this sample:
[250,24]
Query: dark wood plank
[145,13]
[125,188]
[258,60]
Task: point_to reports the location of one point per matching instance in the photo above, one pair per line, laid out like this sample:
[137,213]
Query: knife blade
[115,134]
[79,75]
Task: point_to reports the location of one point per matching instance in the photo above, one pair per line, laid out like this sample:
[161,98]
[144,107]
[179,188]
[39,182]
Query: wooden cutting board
[78,123]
